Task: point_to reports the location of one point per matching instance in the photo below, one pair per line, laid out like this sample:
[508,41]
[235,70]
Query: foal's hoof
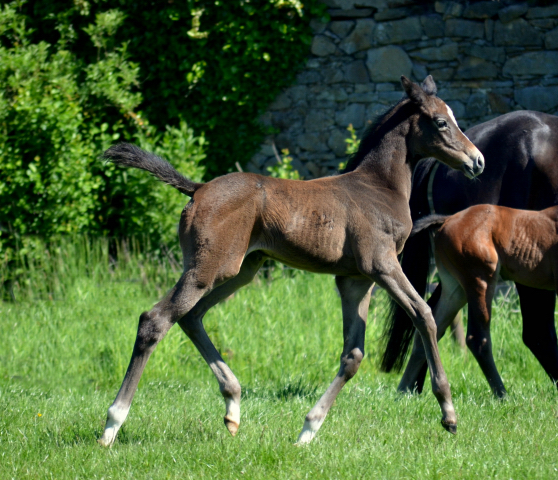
[450,427]
[232,426]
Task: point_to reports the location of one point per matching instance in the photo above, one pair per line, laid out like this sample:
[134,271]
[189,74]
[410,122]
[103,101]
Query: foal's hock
[352,226]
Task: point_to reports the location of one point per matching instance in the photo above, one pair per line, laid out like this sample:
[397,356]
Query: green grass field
[65,347]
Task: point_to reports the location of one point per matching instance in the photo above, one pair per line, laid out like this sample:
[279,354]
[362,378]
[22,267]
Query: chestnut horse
[472,248]
[351,225]
[521,153]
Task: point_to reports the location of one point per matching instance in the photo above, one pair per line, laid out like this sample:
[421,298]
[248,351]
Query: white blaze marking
[450,113]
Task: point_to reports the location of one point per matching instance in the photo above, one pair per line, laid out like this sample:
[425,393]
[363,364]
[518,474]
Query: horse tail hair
[427,222]
[129,155]
[399,328]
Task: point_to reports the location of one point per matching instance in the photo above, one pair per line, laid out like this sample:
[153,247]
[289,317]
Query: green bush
[57,114]
[215,64]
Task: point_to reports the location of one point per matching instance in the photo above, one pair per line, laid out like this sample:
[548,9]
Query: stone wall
[487,58]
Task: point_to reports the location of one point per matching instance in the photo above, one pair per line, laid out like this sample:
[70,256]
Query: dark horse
[521,152]
[352,226]
[472,248]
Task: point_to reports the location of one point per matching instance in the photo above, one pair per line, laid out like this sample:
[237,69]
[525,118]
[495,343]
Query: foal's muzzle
[475,167]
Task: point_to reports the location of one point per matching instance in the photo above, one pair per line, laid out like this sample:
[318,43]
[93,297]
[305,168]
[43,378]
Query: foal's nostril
[479,164]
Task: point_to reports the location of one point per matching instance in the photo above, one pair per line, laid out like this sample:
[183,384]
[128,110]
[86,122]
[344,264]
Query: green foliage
[57,114]
[215,64]
[284,168]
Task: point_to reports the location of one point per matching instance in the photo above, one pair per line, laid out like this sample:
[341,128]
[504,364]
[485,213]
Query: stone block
[322,46]
[341,28]
[543,12]
[477,105]
[443,74]
[516,32]
[551,39]
[494,54]
[543,99]
[312,142]
[533,63]
[307,77]
[356,72]
[451,10]
[352,115]
[482,10]
[473,67]
[433,26]
[361,38]
[281,102]
[336,141]
[446,52]
[419,71]
[512,12]
[389,98]
[298,93]
[336,94]
[387,64]
[458,27]
[398,31]
[363,97]
[498,103]
[375,110]
[332,75]
[337,14]
[318,120]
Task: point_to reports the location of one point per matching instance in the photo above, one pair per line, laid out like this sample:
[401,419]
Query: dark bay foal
[352,226]
[472,248]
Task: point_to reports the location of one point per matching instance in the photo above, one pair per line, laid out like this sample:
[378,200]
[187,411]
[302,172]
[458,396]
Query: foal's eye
[441,123]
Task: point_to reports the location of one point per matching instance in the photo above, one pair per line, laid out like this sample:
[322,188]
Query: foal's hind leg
[153,326]
[479,296]
[355,298]
[539,330]
[450,302]
[193,327]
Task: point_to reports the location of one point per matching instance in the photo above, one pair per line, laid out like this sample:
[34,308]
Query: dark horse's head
[436,132]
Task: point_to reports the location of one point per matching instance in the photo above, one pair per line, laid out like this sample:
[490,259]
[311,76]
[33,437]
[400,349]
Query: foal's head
[436,133]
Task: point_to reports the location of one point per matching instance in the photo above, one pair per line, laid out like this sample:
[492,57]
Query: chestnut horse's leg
[355,298]
[153,326]
[539,330]
[406,296]
[451,301]
[479,296]
[192,325]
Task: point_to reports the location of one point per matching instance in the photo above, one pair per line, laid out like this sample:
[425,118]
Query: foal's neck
[389,163]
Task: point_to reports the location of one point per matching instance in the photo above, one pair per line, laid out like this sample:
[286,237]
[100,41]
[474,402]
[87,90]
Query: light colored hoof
[309,430]
[232,426]
[105,441]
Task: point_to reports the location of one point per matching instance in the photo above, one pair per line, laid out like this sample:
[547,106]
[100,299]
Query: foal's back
[483,239]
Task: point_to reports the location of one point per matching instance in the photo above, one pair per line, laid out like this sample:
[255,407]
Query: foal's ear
[429,86]
[414,92]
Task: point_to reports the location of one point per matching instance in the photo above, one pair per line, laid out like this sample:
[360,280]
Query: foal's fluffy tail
[428,222]
[129,155]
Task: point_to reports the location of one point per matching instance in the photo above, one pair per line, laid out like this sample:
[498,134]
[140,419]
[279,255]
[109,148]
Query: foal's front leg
[406,296]
[355,298]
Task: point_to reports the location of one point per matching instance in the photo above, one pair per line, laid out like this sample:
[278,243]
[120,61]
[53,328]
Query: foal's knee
[426,325]
[351,362]
[152,328]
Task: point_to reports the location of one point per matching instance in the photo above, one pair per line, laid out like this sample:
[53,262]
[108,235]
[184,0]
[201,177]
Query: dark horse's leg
[539,330]
[185,297]
[355,298]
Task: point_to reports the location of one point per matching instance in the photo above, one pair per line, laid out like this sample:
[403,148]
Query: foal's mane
[374,132]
